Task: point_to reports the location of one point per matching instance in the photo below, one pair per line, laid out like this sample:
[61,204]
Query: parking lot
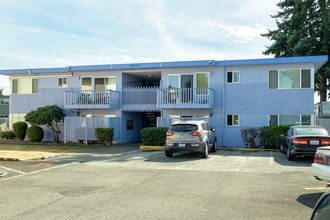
[132,184]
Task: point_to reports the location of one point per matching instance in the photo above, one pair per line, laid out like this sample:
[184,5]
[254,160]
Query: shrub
[104,135]
[20,129]
[153,136]
[275,136]
[35,133]
[7,135]
[249,135]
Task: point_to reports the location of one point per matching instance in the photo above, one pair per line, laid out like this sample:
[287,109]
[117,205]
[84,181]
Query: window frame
[233,124]
[61,84]
[32,89]
[278,78]
[232,77]
[301,116]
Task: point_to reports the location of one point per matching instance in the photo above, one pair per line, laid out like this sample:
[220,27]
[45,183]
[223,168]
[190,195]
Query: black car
[190,136]
[303,140]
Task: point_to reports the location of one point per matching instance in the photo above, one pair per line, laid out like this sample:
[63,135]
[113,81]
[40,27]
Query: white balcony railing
[185,98]
[91,99]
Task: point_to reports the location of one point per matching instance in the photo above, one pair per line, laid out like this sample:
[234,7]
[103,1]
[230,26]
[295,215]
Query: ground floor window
[277,120]
[232,120]
[16,118]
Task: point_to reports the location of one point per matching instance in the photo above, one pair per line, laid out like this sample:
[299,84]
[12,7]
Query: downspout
[223,106]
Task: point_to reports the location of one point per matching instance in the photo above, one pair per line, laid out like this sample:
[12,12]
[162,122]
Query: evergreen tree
[303,29]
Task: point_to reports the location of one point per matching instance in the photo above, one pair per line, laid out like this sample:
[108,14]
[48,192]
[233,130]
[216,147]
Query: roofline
[318,60]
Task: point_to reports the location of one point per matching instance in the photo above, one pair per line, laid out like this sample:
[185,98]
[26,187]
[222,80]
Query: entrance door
[186,86]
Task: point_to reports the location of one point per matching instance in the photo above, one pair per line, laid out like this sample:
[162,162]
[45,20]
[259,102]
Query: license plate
[314,142]
[182,145]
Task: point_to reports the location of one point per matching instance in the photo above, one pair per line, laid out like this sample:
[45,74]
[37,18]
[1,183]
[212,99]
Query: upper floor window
[290,79]
[233,77]
[4,101]
[24,86]
[63,82]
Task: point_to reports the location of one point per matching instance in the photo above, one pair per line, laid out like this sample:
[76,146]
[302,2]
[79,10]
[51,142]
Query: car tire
[205,153]
[282,150]
[289,156]
[214,147]
[168,153]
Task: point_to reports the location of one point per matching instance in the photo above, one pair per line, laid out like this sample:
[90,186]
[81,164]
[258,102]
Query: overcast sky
[39,33]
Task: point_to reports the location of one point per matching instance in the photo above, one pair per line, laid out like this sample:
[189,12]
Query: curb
[160,148]
[9,159]
[151,147]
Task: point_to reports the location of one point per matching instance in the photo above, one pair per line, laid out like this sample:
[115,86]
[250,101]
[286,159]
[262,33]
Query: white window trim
[233,124]
[300,72]
[300,116]
[58,83]
[233,73]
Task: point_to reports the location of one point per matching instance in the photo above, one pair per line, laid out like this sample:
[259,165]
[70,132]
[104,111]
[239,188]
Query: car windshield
[311,131]
[184,127]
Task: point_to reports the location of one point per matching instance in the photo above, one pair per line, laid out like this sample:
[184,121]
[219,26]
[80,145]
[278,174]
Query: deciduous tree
[49,116]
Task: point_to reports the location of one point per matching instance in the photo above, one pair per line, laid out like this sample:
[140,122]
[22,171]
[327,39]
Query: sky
[39,33]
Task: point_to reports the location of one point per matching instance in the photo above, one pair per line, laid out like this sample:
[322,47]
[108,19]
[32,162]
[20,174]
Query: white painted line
[317,188]
[271,158]
[210,158]
[16,171]
[39,171]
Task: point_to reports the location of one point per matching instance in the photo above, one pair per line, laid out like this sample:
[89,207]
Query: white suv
[190,136]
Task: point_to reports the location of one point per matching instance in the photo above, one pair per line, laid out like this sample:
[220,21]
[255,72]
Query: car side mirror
[322,208]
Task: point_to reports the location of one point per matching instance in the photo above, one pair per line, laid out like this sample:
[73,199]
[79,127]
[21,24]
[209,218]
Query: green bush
[35,133]
[153,136]
[20,129]
[7,135]
[275,136]
[104,135]
[249,135]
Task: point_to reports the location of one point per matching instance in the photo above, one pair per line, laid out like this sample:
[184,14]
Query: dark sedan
[303,140]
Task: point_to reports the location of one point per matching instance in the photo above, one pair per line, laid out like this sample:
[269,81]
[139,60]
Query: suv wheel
[168,153]
[205,153]
[282,149]
[214,147]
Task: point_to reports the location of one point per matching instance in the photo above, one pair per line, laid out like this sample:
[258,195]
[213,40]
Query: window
[290,79]
[63,82]
[277,120]
[233,77]
[24,86]
[202,83]
[232,120]
[105,83]
[4,101]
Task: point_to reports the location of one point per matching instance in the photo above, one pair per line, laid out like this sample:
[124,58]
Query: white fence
[83,128]
[167,121]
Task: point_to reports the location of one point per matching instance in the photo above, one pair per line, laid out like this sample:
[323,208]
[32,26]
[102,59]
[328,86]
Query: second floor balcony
[91,99]
[185,98]
[140,99]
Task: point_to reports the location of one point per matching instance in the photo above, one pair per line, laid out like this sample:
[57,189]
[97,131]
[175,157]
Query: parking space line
[39,171]
[16,171]
[271,158]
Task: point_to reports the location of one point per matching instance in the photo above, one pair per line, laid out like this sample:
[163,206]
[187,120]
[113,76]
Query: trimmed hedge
[104,135]
[270,136]
[20,129]
[35,133]
[153,136]
[7,135]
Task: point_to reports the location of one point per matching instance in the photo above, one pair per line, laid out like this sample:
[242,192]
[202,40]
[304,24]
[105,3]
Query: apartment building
[229,94]
[4,112]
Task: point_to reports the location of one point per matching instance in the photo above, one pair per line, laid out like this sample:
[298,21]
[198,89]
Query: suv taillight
[318,159]
[197,133]
[169,133]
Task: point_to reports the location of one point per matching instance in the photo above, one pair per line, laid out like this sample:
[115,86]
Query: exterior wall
[251,98]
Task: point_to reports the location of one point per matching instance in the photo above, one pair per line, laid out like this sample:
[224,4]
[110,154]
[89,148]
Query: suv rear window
[184,127]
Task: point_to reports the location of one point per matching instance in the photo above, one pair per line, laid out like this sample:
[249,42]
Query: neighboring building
[4,112]
[230,95]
